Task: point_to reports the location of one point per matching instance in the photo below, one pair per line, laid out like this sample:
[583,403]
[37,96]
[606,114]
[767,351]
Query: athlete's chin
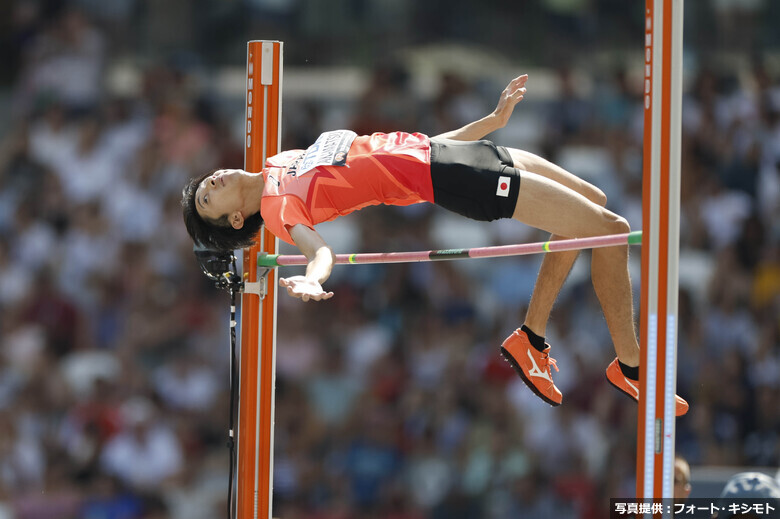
[230,174]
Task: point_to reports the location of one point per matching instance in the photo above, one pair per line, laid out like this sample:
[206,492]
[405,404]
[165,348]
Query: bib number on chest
[330,149]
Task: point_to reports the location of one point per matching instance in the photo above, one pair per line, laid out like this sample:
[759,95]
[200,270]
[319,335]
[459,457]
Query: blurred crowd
[392,401]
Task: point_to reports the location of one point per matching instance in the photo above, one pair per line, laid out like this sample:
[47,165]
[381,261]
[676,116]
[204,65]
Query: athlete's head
[213,208]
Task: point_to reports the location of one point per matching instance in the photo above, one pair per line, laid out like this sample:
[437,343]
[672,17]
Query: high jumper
[458,170]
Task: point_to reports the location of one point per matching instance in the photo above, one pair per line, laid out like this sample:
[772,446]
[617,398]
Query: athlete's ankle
[537,341]
[631,372]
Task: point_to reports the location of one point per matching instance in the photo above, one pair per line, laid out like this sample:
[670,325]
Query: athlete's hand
[305,289]
[511,95]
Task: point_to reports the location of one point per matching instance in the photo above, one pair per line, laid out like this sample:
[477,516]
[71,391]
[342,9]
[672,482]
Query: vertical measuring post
[257,366]
[660,250]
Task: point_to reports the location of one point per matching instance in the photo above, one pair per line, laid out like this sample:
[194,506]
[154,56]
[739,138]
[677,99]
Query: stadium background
[391,398]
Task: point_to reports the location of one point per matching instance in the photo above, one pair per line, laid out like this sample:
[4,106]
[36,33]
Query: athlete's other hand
[304,289]
[511,95]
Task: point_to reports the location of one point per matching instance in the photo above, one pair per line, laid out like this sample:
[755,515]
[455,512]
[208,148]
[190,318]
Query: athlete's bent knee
[614,223]
[621,225]
[598,197]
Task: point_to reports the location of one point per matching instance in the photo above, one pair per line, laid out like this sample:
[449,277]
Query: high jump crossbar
[592,242]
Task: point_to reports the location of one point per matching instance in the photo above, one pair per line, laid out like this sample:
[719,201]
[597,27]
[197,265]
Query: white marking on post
[267,64]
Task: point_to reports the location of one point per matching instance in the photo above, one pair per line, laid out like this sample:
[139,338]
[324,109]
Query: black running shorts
[474,178]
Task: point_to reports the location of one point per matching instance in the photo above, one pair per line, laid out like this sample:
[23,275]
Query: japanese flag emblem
[503,186]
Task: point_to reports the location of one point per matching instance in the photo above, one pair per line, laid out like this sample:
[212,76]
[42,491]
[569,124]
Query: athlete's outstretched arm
[321,260]
[511,95]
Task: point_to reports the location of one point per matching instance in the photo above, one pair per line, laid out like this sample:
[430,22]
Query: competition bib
[330,149]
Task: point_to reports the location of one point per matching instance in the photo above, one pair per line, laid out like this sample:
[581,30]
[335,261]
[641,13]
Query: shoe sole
[511,360]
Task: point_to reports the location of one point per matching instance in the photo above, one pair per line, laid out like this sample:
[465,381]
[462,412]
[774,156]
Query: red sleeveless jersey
[341,173]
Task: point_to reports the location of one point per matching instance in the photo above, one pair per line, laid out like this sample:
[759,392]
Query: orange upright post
[257,365]
[660,248]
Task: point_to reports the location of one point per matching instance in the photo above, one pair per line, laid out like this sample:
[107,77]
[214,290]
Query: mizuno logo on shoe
[632,386]
[536,372]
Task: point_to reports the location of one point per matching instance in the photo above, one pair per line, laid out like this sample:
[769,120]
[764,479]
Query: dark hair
[216,234]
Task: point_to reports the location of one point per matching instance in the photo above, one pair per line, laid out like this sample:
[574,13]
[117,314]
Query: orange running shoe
[533,366]
[631,387]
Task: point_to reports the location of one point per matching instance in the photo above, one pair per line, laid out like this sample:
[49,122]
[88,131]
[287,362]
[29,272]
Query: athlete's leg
[552,206]
[555,266]
[555,200]
[527,161]
[553,272]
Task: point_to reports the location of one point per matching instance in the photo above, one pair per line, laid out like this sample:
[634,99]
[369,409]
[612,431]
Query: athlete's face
[220,194]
